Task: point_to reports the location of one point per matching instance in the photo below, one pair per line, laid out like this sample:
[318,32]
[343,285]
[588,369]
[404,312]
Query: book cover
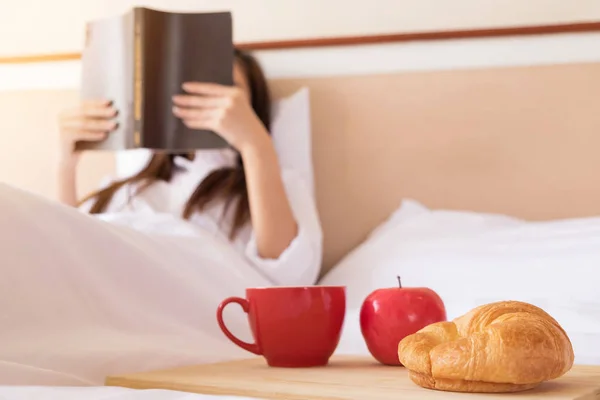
[140,60]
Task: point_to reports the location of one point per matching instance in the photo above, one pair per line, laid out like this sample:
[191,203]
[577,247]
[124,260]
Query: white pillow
[423,221]
[471,259]
[290,129]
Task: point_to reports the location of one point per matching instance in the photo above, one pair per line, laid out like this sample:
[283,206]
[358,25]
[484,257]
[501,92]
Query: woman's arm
[272,218]
[67,182]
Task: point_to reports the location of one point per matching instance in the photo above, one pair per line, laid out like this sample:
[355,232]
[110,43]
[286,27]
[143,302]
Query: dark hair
[227,184]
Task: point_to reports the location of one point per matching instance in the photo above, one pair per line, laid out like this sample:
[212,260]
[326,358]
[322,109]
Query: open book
[140,60]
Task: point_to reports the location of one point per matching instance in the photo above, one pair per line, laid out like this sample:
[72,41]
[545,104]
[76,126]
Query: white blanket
[82,299]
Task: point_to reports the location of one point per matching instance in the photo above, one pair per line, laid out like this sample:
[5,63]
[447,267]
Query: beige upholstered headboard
[517,139]
[492,121]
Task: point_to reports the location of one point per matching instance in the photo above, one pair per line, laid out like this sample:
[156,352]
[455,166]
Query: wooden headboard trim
[362,40]
[425,36]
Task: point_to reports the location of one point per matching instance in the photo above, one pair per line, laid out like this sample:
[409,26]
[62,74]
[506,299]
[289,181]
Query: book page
[107,73]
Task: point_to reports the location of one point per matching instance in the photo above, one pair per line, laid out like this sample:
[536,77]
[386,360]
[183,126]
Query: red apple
[388,315]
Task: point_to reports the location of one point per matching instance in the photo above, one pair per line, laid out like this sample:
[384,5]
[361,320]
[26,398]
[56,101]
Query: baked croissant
[507,346]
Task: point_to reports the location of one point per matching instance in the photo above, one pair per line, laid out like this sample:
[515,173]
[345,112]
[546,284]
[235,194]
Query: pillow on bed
[424,221]
[290,131]
[471,259]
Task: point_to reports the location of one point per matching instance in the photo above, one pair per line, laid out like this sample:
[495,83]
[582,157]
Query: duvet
[82,298]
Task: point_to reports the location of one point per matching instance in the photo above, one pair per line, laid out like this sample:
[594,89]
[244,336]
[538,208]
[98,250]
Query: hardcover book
[140,60]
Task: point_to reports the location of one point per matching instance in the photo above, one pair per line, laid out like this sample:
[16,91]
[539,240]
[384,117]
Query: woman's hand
[93,120]
[228,112]
[225,110]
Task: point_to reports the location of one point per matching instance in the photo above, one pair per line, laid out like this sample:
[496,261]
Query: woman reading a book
[239,193]
[133,281]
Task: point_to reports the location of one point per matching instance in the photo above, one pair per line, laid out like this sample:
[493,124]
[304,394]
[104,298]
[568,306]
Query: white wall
[47,26]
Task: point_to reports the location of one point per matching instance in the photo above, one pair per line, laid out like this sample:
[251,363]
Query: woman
[133,282]
[242,190]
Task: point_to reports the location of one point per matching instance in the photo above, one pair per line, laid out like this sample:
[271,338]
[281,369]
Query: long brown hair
[226,184]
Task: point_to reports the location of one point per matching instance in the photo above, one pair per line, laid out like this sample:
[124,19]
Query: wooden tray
[345,378]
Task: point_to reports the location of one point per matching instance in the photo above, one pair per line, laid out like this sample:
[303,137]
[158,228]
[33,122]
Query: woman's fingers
[198,118]
[100,112]
[201,101]
[101,109]
[208,89]
[89,136]
[89,125]
[92,121]
[200,124]
[96,103]
[194,113]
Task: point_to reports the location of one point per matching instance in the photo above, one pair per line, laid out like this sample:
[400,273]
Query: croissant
[506,346]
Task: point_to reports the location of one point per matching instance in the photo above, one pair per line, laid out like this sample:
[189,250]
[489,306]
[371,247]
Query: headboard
[504,125]
[503,121]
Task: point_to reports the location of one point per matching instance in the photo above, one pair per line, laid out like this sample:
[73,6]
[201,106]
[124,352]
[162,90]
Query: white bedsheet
[82,299]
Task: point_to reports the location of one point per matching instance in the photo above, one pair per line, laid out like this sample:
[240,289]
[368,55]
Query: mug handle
[251,347]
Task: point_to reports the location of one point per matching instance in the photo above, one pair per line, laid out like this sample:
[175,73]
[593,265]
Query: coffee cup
[293,327]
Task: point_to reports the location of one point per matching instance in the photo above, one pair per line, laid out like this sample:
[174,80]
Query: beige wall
[29,150]
[59,23]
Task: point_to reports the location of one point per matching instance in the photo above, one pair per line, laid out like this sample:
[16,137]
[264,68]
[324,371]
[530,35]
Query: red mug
[292,326]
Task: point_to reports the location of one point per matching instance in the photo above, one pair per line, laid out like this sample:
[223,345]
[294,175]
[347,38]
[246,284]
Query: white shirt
[158,209]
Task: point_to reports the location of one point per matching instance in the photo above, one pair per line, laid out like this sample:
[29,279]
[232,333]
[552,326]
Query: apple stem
[399,282]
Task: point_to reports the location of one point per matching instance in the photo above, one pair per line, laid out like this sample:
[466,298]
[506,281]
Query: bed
[458,141]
